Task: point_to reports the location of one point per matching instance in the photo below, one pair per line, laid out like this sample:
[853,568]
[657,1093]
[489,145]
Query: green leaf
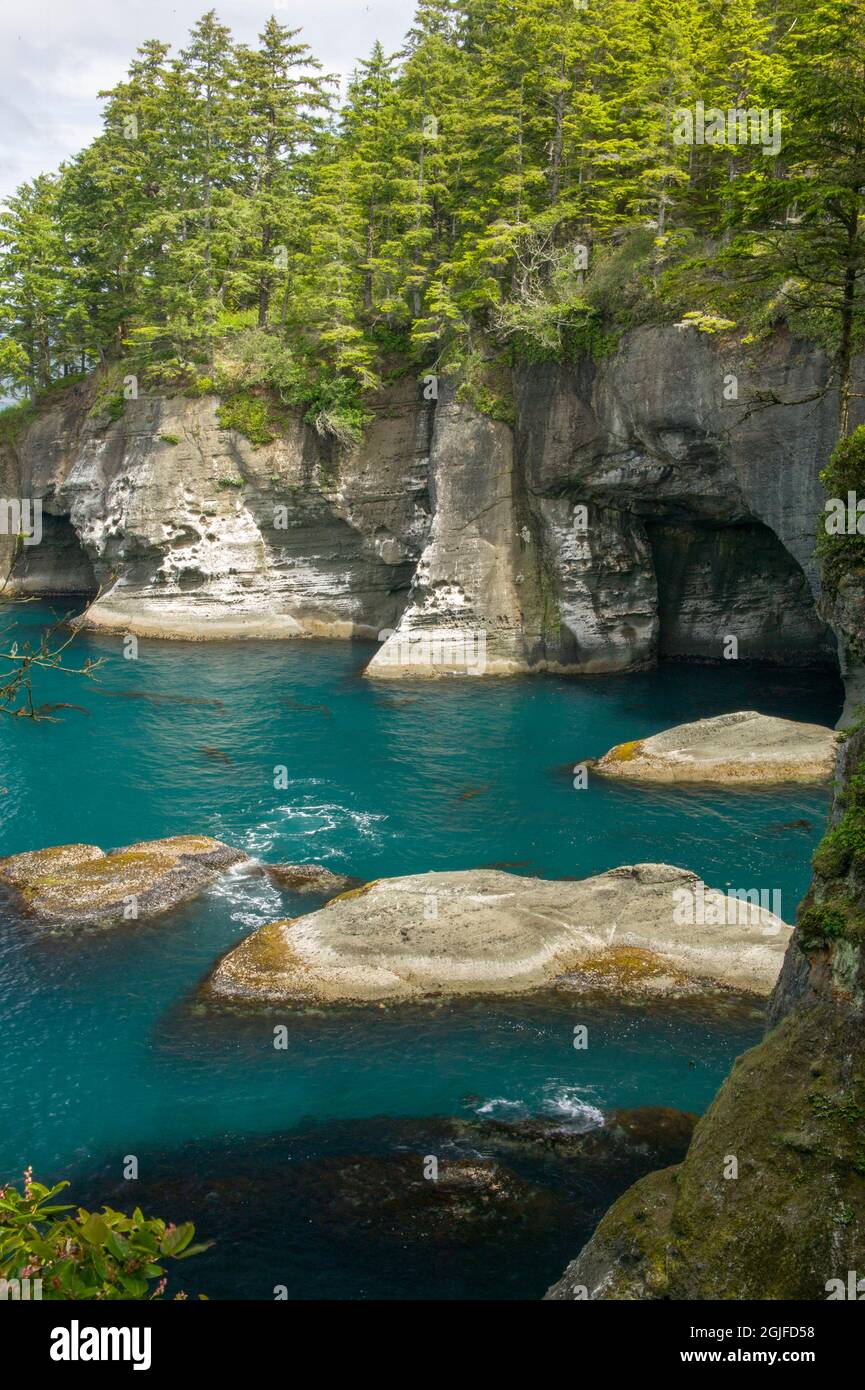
[94,1230]
[175,1241]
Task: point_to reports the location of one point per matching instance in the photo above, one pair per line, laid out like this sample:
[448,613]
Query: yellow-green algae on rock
[76,885]
[481,931]
[743,747]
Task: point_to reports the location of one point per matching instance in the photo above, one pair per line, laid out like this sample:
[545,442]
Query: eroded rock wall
[192,531]
[631,511]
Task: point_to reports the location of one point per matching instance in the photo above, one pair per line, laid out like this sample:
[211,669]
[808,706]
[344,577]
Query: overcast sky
[55,55]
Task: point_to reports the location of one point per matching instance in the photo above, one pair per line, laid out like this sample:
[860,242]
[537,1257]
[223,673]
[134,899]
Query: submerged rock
[484,932]
[396,1195]
[76,885]
[310,878]
[740,747]
[646,1134]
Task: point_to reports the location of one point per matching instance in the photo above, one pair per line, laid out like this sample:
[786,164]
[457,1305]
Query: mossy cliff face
[769,1202]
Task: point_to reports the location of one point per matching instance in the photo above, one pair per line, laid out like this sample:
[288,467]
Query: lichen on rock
[744,747]
[81,885]
[487,932]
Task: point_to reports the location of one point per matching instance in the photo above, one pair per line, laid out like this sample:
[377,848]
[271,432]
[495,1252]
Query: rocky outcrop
[485,932]
[313,879]
[716,476]
[745,747]
[190,530]
[632,510]
[80,885]
[474,604]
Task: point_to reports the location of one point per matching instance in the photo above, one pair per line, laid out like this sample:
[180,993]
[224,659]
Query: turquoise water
[108,1053]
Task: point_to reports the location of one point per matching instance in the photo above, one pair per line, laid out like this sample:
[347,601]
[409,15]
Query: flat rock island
[742,747]
[650,927]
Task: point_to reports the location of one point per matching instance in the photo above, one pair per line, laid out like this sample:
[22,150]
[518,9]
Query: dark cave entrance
[720,581]
[59,564]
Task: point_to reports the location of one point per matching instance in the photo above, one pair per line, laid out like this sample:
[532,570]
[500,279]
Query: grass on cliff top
[15,418]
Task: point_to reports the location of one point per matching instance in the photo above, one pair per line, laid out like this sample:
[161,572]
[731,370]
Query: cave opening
[736,580]
[58,565]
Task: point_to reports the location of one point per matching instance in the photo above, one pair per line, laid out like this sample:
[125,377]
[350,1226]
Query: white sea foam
[565,1103]
[557,1100]
[500,1107]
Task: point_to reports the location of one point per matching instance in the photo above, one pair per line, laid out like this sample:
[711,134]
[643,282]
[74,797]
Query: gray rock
[745,747]
[311,878]
[484,932]
[80,885]
[630,512]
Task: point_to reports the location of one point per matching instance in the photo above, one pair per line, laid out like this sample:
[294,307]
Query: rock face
[744,747]
[630,511]
[714,502]
[485,932]
[191,531]
[474,604]
[80,885]
[793,1218]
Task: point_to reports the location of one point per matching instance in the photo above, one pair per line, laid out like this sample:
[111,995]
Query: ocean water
[109,1053]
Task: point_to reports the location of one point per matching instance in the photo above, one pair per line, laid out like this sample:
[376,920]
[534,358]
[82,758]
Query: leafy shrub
[819,924]
[89,1255]
[707,322]
[331,401]
[248,415]
[108,402]
[832,856]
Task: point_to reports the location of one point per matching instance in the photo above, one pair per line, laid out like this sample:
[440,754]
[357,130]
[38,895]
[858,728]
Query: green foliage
[839,868]
[841,553]
[248,415]
[819,924]
[228,227]
[82,1255]
[845,844]
[708,323]
[108,398]
[13,419]
[170,438]
[331,401]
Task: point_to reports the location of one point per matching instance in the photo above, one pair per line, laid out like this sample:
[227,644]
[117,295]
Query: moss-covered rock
[77,885]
